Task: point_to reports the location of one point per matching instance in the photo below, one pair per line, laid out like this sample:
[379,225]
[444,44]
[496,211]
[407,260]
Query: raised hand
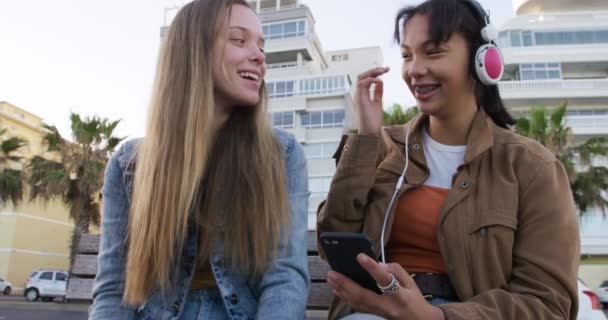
[370,106]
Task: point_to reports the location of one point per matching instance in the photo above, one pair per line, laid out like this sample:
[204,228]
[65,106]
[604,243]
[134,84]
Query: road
[17,308]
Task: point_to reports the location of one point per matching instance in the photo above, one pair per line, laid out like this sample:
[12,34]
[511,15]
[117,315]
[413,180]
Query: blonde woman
[205,218]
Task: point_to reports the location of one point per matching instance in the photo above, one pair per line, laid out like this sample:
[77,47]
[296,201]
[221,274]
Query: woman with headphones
[475,221]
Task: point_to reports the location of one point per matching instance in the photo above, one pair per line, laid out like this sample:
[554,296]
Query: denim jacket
[280,293]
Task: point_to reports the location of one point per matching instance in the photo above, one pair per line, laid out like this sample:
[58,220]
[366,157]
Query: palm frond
[11,186]
[12,144]
[47,179]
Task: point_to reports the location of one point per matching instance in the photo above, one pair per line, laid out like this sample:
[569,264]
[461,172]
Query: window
[339,57]
[280,89]
[527,38]
[319,185]
[46,276]
[322,85]
[283,30]
[323,119]
[540,71]
[282,119]
[587,112]
[320,150]
[60,276]
[503,39]
[515,38]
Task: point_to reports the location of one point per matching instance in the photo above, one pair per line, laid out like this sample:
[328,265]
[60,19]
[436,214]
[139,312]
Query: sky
[99,57]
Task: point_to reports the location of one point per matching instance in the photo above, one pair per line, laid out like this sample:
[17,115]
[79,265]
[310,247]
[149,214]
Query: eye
[406,55]
[434,51]
[238,40]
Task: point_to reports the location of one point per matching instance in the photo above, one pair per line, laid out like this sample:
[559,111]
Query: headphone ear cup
[489,64]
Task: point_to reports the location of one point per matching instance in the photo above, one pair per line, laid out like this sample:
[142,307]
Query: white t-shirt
[442,160]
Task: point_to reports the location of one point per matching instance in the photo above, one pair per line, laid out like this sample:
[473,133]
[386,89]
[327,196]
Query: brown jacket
[508,230]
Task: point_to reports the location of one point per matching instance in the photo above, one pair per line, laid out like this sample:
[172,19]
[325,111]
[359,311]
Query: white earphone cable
[397,187]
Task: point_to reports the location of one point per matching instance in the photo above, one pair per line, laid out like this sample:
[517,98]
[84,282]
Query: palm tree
[589,183]
[396,115]
[78,176]
[11,176]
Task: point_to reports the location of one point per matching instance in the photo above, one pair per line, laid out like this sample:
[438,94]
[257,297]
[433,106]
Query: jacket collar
[480,137]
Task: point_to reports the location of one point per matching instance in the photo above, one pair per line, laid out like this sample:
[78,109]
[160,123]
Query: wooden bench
[80,284]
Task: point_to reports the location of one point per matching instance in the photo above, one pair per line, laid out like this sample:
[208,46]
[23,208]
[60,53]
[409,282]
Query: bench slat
[317,268]
[311,241]
[85,265]
[89,243]
[319,298]
[81,289]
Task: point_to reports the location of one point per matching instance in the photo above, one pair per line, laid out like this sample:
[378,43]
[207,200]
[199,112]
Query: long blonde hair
[185,173]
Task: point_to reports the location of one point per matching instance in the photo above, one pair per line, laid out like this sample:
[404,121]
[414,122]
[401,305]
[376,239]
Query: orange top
[203,277]
[413,240]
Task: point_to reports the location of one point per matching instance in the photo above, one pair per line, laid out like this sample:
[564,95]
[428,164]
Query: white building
[556,50]
[310,89]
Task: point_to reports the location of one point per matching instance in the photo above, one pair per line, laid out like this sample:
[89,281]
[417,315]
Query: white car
[589,306]
[5,287]
[602,293]
[46,284]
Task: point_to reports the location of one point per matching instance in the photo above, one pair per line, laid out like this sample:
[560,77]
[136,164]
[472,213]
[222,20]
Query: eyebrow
[262,40]
[424,44]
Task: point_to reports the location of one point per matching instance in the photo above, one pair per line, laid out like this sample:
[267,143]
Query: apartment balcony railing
[281,65]
[569,88]
[308,87]
[588,125]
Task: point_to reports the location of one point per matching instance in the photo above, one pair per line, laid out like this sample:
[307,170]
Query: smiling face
[436,74]
[239,65]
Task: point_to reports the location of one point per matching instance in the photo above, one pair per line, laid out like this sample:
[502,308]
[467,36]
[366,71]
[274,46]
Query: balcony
[588,125]
[582,53]
[594,240]
[569,88]
[309,87]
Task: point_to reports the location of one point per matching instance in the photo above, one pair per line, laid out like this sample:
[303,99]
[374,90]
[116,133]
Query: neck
[221,115]
[454,129]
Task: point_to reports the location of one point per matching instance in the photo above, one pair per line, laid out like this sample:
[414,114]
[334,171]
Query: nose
[415,68]
[257,55]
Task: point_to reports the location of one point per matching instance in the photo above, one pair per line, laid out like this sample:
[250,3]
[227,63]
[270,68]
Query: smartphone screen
[341,250]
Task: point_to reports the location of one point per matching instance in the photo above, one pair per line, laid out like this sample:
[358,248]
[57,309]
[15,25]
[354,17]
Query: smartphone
[341,250]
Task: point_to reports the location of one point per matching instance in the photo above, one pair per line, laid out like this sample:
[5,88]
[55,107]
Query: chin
[428,109]
[246,100]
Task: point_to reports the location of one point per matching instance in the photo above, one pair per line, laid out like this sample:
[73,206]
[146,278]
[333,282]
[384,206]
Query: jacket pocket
[494,218]
[491,241]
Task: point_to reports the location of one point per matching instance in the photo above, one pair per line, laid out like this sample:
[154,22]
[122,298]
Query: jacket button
[465,185]
[416,146]
[234,299]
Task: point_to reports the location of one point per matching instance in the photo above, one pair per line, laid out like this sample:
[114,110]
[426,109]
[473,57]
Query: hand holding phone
[341,250]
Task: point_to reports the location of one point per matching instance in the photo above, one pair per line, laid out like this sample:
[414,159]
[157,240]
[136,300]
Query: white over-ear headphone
[488,60]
